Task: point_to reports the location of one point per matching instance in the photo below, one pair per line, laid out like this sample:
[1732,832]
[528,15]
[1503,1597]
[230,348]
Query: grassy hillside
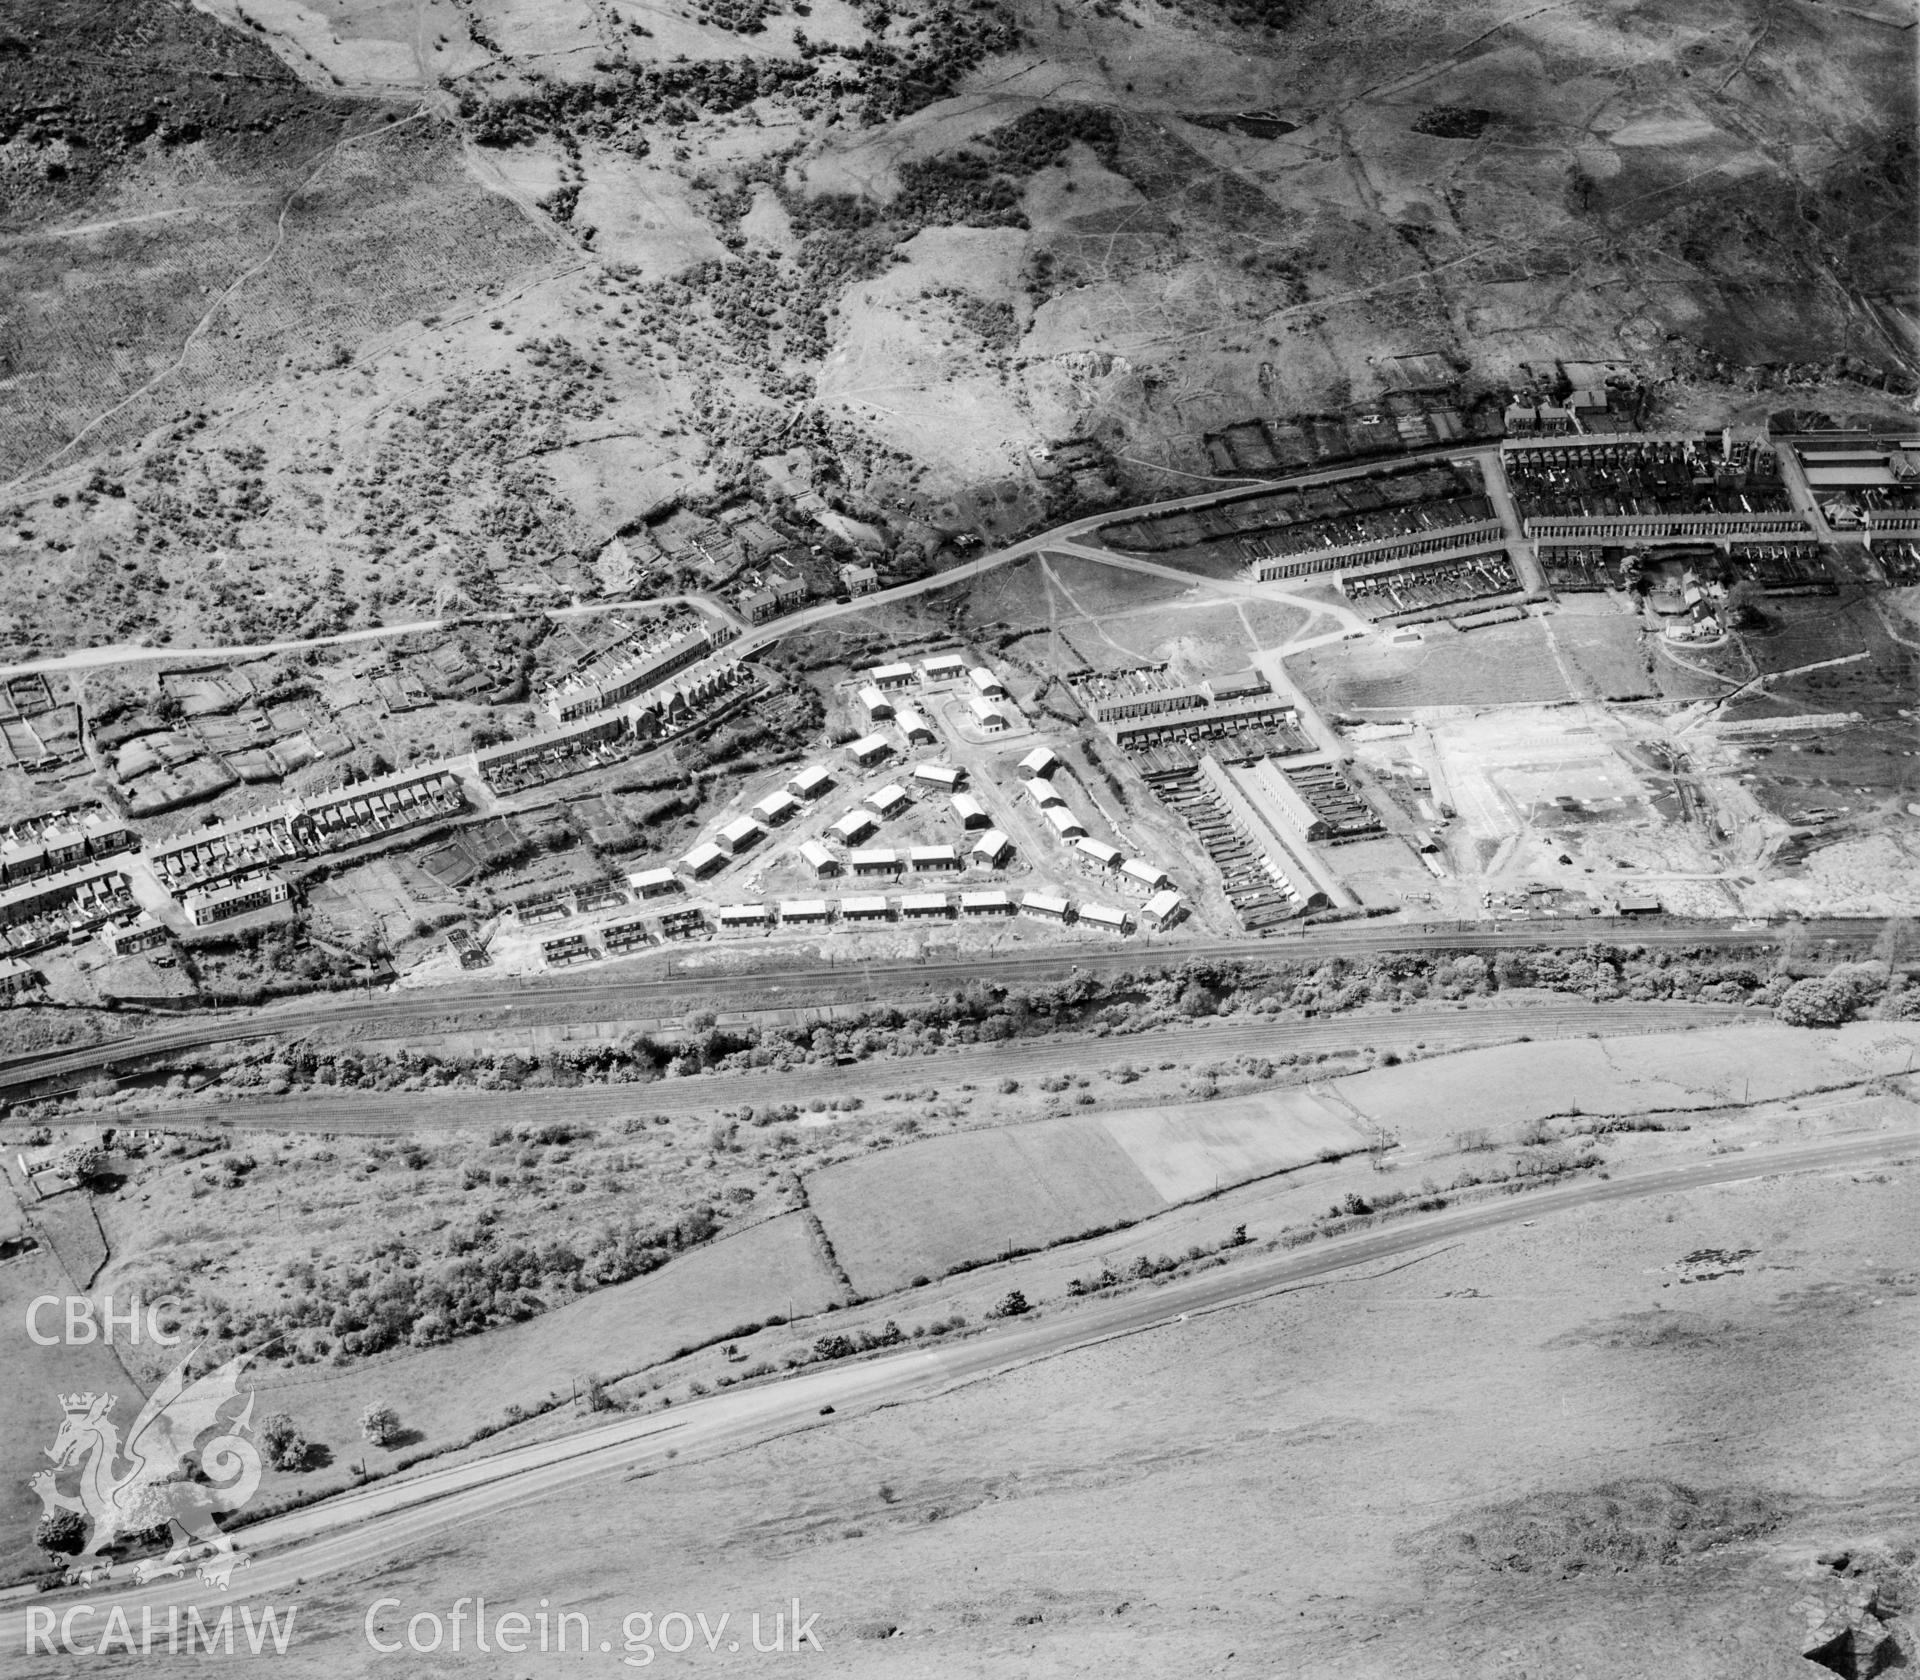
[343,323]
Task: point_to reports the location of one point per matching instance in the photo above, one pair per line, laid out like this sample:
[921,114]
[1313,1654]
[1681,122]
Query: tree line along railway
[663,998]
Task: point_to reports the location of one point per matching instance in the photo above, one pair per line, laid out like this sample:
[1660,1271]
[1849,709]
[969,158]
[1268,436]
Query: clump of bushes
[1846,993]
[380,1424]
[284,1446]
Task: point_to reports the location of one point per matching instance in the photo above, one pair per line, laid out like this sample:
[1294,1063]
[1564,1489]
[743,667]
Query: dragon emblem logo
[159,1477]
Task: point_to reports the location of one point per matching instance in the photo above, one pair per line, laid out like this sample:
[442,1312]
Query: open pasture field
[1191,1149]
[32,1379]
[1824,656]
[1828,654]
[1090,588]
[1016,596]
[1605,653]
[1572,1464]
[1505,1087]
[931,1205]
[1197,635]
[919,1210]
[1709,673]
[1209,641]
[1500,665]
[1274,623]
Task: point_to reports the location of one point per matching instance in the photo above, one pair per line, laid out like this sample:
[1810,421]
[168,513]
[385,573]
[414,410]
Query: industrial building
[703,860]
[740,835]
[817,858]
[1162,910]
[1144,876]
[1065,824]
[914,727]
[993,902]
[854,827]
[987,714]
[991,850]
[1098,853]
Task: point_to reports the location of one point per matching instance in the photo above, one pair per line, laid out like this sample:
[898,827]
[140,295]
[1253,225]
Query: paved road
[85,659]
[753,639]
[1434,1028]
[391,1519]
[643,996]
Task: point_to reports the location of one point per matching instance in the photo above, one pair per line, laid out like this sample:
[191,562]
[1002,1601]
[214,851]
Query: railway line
[671,988]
